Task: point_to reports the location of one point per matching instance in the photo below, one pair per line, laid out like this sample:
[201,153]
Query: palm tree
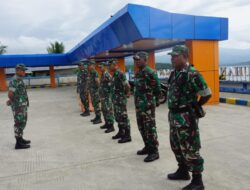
[2,49]
[56,47]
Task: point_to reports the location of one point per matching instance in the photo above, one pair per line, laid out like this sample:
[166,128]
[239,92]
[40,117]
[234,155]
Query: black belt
[180,110]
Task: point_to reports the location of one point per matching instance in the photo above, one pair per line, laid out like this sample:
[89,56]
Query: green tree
[2,49]
[56,47]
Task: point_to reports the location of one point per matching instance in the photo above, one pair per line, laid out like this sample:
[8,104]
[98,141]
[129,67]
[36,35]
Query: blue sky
[28,26]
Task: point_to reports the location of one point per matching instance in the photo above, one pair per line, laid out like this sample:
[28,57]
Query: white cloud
[29,26]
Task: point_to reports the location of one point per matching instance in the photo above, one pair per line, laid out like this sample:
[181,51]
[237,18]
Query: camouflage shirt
[119,82]
[147,89]
[82,80]
[105,85]
[18,87]
[185,86]
[93,84]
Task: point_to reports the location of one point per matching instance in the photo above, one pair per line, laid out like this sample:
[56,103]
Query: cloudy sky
[28,26]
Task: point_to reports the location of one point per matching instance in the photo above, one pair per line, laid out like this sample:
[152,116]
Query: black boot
[181,173]
[196,183]
[110,128]
[92,120]
[25,141]
[105,126]
[143,151]
[118,135]
[152,156]
[126,137]
[20,145]
[97,120]
[85,113]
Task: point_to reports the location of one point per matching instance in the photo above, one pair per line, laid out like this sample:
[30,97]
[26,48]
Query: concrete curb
[235,101]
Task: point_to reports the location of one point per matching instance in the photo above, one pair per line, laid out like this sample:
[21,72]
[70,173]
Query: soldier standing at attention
[147,90]
[105,96]
[185,85]
[120,93]
[94,84]
[82,87]
[19,102]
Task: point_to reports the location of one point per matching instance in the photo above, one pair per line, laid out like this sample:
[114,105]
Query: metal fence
[235,73]
[45,80]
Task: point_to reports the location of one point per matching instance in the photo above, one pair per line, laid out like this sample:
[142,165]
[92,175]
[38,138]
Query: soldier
[19,102]
[120,93]
[82,87]
[146,92]
[185,85]
[106,101]
[94,84]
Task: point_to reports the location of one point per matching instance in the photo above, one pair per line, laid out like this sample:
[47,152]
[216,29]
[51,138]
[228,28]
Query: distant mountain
[234,56]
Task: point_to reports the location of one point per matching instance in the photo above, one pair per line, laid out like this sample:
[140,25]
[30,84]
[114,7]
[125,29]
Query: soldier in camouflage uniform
[82,87]
[120,93]
[94,84]
[146,92]
[19,102]
[106,101]
[185,85]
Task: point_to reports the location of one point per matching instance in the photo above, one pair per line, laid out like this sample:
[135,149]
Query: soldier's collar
[18,77]
[185,69]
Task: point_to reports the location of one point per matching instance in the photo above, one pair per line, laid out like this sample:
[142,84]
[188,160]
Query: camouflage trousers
[84,95]
[96,102]
[20,118]
[185,141]
[147,127]
[107,110]
[121,114]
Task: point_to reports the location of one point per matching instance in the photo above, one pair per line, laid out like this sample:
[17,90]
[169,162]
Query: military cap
[178,50]
[21,67]
[112,61]
[141,54]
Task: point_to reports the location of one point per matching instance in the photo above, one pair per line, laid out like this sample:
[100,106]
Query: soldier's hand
[128,95]
[157,104]
[8,103]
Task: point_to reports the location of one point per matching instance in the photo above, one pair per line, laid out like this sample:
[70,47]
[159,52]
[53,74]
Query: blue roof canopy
[133,28]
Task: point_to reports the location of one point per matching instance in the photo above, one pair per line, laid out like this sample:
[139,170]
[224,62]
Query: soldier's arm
[155,83]
[12,89]
[126,85]
[97,82]
[127,88]
[201,88]
[97,79]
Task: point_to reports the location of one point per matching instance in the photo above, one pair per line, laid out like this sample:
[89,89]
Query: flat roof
[131,29]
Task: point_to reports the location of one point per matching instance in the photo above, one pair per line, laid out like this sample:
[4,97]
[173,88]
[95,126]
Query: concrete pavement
[70,153]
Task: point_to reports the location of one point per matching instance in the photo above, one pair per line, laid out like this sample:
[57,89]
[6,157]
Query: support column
[52,76]
[121,64]
[151,60]
[3,85]
[204,55]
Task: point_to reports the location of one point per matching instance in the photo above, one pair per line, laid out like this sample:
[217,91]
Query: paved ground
[68,153]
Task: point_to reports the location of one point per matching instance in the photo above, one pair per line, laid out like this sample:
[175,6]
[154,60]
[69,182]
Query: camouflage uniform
[147,89]
[120,101]
[105,96]
[184,88]
[82,87]
[94,92]
[19,105]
